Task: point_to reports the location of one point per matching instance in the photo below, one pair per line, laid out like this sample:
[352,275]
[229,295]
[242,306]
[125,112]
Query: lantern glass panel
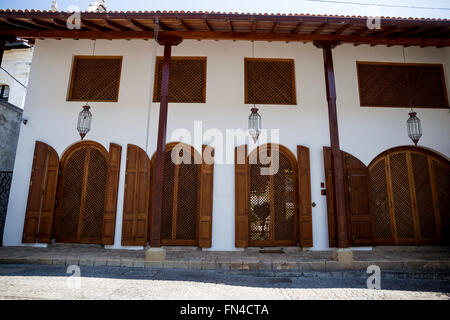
[254,124]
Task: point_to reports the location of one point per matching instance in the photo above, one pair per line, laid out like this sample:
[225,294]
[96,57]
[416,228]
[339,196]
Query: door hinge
[31,183]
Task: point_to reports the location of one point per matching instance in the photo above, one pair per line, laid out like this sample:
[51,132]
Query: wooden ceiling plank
[49,25]
[117,25]
[320,28]
[298,27]
[385,32]
[410,31]
[275,27]
[95,26]
[139,25]
[343,28]
[230,25]
[207,25]
[184,24]
[24,24]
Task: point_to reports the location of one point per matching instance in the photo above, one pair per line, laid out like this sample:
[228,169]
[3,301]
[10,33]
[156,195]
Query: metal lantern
[84,121]
[254,124]
[414,128]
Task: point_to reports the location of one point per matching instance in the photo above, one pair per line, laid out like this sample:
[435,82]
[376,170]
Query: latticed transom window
[95,78]
[401,85]
[269,81]
[187,79]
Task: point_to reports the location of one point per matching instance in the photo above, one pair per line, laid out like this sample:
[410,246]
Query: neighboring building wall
[364,132]
[10,120]
[17,62]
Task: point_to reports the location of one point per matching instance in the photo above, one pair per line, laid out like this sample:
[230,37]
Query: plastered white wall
[17,62]
[364,132]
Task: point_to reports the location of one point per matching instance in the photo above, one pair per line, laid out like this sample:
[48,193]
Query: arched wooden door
[81,194]
[181,208]
[410,200]
[273,218]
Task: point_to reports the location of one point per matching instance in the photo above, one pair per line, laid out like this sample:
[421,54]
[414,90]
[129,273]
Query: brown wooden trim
[216,35]
[72,77]
[434,154]
[437,211]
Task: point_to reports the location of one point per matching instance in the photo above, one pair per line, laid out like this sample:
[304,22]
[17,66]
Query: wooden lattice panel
[180,207]
[71,194]
[269,81]
[424,196]
[380,201]
[187,198]
[95,78]
[403,211]
[273,202]
[168,201]
[187,79]
[284,201]
[95,196]
[401,85]
[260,195]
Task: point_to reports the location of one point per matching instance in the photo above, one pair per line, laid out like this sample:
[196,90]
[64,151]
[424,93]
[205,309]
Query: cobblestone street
[53,282]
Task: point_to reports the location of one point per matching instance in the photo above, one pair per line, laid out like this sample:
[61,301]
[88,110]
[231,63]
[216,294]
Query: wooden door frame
[197,161]
[89,144]
[293,161]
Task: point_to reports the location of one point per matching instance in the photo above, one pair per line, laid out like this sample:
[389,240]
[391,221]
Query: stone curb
[401,268]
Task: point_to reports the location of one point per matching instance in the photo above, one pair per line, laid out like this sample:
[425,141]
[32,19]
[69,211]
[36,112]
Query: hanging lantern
[414,128]
[254,124]
[84,121]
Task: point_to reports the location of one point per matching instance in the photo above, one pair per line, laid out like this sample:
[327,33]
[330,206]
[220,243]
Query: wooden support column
[158,173]
[336,155]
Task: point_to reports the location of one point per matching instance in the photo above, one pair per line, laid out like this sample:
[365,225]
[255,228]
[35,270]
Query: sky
[392,8]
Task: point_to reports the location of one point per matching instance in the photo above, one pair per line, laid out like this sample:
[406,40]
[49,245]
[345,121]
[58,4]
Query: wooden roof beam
[207,25]
[230,25]
[46,24]
[184,24]
[162,25]
[139,25]
[320,28]
[275,27]
[359,32]
[94,25]
[410,31]
[204,35]
[253,27]
[24,24]
[297,28]
[116,25]
[435,32]
[343,28]
[386,32]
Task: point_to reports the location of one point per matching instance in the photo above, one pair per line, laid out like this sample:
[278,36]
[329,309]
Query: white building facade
[364,132]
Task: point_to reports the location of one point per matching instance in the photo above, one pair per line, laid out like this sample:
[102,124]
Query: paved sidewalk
[398,259]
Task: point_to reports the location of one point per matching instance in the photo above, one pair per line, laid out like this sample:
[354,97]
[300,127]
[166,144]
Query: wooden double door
[273,200]
[400,198]
[186,211]
[73,200]
[410,200]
